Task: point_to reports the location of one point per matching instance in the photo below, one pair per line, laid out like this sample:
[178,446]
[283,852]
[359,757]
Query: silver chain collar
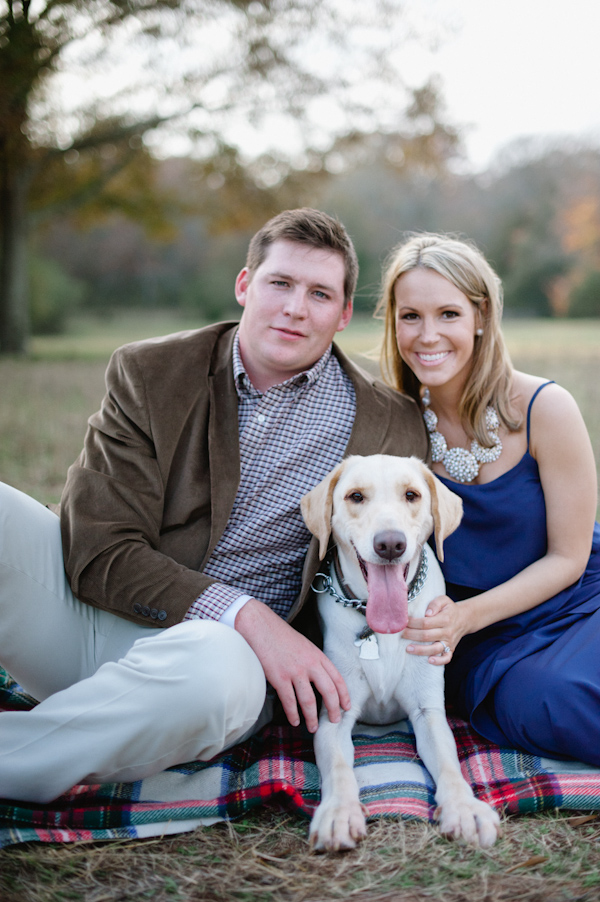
[327,585]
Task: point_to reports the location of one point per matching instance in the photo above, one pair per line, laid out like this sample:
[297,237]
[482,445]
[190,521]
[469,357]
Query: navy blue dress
[531,681]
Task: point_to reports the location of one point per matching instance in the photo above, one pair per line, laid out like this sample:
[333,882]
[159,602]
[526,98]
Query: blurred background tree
[135,164]
[93,93]
[536,215]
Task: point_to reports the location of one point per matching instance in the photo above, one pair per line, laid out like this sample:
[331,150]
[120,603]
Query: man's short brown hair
[306,226]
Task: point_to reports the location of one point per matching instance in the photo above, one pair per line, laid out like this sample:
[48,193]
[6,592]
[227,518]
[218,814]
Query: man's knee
[19,511]
[30,541]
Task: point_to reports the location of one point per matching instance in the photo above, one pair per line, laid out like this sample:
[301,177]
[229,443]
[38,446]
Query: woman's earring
[479,332]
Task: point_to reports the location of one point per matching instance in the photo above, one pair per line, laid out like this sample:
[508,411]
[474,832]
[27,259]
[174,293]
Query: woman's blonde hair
[490,377]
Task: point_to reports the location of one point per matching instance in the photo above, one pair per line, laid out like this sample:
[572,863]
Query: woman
[522,648]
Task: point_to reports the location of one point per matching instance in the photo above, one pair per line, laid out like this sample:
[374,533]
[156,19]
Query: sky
[507,69]
[510,68]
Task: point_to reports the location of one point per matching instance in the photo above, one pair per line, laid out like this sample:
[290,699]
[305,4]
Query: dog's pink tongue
[387,605]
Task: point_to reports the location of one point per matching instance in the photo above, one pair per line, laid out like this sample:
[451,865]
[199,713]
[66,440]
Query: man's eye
[355,497]
[412,496]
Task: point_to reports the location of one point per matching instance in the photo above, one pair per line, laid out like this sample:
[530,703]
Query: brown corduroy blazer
[150,495]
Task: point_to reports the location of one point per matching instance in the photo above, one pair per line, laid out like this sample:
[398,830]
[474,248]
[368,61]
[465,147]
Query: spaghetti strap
[535,394]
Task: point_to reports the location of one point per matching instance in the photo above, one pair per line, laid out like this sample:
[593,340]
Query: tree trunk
[14,294]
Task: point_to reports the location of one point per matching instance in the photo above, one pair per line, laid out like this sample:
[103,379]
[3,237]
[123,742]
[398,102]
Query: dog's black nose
[389,544]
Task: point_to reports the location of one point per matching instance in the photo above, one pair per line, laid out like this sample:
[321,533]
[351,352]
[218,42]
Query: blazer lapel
[223,441]
[372,419]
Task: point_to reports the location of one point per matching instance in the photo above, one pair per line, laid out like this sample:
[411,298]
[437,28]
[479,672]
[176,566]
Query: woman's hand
[437,633]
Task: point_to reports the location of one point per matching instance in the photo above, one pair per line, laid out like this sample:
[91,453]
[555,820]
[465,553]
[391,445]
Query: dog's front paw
[471,820]
[337,827]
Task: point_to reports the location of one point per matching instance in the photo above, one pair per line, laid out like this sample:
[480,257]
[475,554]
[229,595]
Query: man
[182,535]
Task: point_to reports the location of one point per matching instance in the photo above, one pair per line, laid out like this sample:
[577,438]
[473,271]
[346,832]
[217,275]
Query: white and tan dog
[380,511]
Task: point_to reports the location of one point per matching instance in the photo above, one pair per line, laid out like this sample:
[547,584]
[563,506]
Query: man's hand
[292,665]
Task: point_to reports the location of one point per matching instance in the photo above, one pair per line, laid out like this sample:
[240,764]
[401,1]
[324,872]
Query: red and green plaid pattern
[277,767]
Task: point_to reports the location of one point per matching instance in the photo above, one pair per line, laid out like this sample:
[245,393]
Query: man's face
[293,306]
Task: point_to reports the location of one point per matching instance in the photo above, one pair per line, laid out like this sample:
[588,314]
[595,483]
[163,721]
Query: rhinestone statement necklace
[459,463]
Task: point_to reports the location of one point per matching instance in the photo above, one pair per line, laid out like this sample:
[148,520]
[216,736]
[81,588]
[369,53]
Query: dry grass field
[44,403]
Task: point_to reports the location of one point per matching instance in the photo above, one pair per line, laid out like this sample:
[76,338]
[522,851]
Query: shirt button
[260,417]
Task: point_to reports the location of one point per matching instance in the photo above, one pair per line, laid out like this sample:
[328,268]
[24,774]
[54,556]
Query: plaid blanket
[277,767]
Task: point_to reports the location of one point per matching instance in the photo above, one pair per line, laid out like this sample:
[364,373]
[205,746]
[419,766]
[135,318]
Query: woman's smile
[432,358]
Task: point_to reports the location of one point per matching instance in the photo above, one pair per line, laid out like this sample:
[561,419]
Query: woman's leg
[549,703]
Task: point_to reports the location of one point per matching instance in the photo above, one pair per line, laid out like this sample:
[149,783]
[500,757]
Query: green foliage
[526,286]
[211,295]
[585,298]
[208,289]
[54,296]
[528,220]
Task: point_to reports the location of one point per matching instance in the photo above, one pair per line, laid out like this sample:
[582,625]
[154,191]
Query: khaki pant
[118,701]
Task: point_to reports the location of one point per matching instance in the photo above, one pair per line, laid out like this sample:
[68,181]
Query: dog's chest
[388,679]
[385,684]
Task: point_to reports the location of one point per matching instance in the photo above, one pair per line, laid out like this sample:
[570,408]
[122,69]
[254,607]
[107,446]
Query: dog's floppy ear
[446,508]
[317,507]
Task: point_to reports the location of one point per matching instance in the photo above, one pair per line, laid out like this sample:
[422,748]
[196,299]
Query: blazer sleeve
[112,511]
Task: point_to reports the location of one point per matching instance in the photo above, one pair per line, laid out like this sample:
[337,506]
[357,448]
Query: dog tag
[369,649]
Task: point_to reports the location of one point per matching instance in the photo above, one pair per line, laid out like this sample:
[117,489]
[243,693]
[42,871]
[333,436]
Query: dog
[380,511]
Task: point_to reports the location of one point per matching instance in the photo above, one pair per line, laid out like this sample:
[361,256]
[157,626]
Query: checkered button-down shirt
[290,438]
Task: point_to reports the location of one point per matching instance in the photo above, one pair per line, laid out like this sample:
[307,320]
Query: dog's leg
[458,812]
[339,821]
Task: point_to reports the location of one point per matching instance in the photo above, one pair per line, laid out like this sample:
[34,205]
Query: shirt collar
[244,385]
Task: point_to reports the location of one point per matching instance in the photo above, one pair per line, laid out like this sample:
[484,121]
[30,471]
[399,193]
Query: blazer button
[154,613]
[146,610]
[162,615]
[137,608]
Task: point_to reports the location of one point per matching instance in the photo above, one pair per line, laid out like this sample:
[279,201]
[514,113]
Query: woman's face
[435,328]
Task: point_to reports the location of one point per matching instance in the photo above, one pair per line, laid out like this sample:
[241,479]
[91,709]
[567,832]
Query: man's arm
[119,555]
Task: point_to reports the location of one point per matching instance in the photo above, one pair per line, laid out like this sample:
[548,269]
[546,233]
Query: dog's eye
[412,496]
[355,497]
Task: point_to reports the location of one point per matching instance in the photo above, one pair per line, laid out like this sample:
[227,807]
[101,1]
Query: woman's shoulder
[553,399]
[554,416]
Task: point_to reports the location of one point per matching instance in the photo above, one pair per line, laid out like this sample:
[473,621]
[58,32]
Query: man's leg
[47,637]
[183,694]
[175,695]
